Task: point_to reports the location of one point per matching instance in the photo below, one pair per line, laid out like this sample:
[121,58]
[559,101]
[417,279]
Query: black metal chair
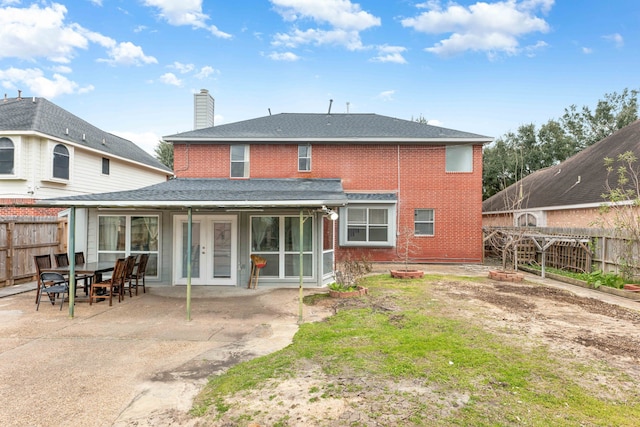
[62,260]
[54,285]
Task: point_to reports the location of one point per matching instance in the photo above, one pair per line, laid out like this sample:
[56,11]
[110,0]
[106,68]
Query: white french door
[214,240]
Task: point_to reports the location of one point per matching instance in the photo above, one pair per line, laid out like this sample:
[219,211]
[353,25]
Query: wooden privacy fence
[581,250]
[23,237]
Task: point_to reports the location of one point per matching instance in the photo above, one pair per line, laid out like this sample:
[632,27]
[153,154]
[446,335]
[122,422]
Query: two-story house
[271,186]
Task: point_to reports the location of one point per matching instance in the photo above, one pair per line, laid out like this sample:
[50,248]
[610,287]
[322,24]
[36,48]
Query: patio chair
[140,273]
[62,260]
[111,285]
[131,264]
[53,285]
[42,262]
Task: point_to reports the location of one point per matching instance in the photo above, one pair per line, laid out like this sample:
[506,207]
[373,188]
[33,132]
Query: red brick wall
[415,172]
[8,208]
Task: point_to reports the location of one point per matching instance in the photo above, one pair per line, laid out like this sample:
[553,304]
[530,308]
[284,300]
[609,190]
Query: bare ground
[572,327]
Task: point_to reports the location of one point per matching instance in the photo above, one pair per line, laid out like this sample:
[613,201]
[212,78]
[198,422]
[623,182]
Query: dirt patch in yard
[572,328]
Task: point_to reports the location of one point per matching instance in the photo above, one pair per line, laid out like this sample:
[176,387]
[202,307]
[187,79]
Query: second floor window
[7,160]
[459,158]
[239,161]
[304,157]
[60,162]
[105,166]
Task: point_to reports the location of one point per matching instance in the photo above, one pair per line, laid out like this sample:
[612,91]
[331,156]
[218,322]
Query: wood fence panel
[23,237]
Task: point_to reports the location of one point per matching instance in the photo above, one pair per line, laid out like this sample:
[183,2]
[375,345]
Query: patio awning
[216,193]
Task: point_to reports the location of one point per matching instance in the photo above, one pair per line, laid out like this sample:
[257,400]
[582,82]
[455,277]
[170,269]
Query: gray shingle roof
[302,126]
[40,115]
[372,197]
[579,180]
[219,192]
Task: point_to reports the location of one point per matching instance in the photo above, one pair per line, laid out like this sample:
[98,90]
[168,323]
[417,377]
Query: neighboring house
[47,152]
[245,188]
[569,194]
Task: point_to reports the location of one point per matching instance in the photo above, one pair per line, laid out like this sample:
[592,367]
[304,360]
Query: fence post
[10,253]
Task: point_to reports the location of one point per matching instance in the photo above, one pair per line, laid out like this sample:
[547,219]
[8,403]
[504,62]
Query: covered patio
[203,231]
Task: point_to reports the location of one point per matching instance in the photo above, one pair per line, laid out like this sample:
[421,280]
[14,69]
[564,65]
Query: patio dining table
[96,269]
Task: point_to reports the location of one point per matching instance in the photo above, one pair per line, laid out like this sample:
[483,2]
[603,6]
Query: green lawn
[461,375]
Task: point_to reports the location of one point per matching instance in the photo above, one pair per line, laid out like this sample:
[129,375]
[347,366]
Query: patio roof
[216,193]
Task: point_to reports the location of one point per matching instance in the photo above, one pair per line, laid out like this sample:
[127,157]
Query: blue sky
[131,67]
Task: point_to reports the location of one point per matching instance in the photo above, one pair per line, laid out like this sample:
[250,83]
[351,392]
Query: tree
[621,207]
[530,149]
[164,153]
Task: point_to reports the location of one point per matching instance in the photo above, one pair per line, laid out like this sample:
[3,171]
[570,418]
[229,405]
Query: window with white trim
[7,157]
[367,225]
[424,222]
[459,158]
[239,161]
[123,235]
[105,166]
[277,239]
[60,162]
[304,157]
[527,220]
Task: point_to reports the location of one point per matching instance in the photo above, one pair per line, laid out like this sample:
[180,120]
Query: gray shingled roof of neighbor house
[218,192]
[33,114]
[364,128]
[579,180]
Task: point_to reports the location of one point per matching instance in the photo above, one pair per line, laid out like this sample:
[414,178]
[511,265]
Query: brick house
[270,186]
[566,195]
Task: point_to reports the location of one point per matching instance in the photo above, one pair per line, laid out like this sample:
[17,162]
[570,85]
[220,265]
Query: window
[60,162]
[304,157]
[527,220]
[123,235]
[277,239]
[459,158]
[423,222]
[239,161]
[368,226]
[7,156]
[105,166]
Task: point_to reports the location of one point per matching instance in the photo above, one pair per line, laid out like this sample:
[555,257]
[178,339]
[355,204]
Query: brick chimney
[203,107]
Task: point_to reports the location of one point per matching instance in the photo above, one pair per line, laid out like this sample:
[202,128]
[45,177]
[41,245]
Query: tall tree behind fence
[23,237]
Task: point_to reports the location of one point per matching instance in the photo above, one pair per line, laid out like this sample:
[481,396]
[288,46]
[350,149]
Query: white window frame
[17,158]
[459,158]
[432,222]
[391,225]
[525,215]
[307,157]
[127,243]
[244,161]
[49,163]
[282,253]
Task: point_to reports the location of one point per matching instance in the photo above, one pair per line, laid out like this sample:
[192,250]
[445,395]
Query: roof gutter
[185,204]
[360,140]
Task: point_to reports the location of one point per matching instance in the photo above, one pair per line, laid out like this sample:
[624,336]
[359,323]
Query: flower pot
[360,291]
[506,276]
[407,274]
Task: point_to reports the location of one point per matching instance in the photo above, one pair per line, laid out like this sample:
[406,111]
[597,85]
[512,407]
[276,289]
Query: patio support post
[301,265]
[189,225]
[72,260]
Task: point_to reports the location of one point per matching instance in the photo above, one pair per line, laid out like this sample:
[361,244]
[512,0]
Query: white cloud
[185,12]
[349,39]
[145,140]
[616,38]
[486,27]
[61,69]
[96,2]
[390,54]
[342,19]
[170,79]
[34,32]
[587,50]
[386,95]
[38,84]
[182,68]
[126,53]
[205,72]
[284,56]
